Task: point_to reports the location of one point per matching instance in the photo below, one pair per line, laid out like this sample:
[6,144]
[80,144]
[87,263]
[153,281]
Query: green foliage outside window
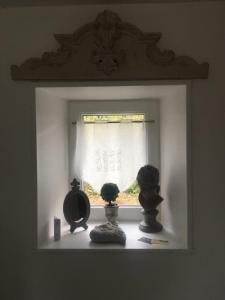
[128,197]
[133,189]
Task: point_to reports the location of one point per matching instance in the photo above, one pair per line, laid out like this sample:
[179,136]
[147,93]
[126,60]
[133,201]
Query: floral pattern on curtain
[110,152]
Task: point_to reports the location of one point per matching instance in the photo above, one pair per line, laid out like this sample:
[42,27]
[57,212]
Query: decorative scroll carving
[107,31]
[109,49]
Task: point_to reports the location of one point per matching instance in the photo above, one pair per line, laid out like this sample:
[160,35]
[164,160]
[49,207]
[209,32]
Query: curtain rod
[123,122]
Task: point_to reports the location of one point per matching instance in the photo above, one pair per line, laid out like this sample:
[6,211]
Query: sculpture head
[148,178]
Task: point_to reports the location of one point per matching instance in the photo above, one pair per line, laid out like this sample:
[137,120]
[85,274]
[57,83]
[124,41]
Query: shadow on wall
[176,195]
[44,233]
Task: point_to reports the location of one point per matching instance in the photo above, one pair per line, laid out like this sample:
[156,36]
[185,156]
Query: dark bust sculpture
[149,198]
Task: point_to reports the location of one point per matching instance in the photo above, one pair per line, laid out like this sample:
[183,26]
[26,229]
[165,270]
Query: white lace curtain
[110,152]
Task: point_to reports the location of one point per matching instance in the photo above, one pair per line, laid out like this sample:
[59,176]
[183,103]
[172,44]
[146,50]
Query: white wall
[196,29]
[52,161]
[173,148]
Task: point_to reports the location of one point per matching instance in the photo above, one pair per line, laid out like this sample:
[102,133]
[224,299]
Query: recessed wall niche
[53,162]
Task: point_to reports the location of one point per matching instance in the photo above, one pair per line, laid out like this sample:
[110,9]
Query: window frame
[126,212]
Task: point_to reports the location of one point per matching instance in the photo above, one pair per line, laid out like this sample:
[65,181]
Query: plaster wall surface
[195,29]
[173,163]
[52,161]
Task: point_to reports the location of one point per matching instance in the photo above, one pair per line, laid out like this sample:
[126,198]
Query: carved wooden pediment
[109,49]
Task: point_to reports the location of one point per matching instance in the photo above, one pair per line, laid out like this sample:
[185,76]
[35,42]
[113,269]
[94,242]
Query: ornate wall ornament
[109,49]
[107,31]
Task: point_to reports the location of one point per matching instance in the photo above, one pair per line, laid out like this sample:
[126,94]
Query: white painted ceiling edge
[18,3]
[111,92]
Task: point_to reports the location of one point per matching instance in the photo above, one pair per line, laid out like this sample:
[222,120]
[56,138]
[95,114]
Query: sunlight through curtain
[110,152]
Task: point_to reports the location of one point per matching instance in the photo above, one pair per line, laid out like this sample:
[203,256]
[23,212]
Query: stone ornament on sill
[108,233]
[109,193]
[149,198]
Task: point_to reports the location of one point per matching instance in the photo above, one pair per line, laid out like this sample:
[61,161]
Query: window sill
[80,240]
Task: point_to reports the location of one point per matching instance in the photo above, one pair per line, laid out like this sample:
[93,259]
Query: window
[110,142]
[118,158]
